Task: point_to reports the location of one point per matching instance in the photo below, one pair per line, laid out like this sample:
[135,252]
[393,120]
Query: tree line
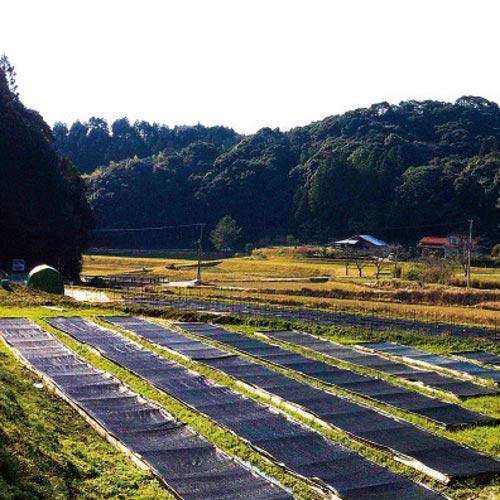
[95,143]
[396,171]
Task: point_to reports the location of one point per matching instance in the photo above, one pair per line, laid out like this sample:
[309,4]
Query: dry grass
[461,315]
[255,268]
[278,278]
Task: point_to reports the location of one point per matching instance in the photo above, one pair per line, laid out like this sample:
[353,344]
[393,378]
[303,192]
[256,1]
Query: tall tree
[45,217]
[225,234]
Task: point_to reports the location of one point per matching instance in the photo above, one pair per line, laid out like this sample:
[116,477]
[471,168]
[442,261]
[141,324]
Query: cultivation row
[319,317]
[459,388]
[440,412]
[186,462]
[487,358]
[434,360]
[304,452]
[441,458]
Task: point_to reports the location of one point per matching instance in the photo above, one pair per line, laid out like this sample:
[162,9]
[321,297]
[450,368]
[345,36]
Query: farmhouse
[361,242]
[443,245]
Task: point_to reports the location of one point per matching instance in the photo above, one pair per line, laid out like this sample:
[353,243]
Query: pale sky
[246,63]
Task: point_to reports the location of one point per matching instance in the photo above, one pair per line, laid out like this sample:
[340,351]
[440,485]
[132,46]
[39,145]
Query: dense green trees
[397,171]
[44,215]
[251,182]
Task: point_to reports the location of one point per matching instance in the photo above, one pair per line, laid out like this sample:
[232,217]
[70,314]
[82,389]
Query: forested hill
[396,171]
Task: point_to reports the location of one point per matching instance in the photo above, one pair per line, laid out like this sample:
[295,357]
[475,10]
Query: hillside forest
[396,171]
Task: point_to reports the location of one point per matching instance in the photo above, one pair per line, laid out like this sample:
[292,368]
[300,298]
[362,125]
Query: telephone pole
[469,251]
[200,252]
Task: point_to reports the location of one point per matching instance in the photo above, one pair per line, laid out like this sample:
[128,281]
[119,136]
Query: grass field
[283,279]
[262,264]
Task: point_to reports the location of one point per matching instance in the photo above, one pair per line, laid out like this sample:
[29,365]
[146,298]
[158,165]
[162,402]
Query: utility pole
[469,251]
[200,251]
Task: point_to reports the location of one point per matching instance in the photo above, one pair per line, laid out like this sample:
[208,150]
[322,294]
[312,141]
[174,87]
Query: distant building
[362,242]
[443,245]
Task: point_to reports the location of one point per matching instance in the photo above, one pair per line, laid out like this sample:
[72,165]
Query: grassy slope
[108,483]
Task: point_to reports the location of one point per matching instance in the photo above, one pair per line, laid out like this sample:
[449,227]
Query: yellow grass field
[284,279]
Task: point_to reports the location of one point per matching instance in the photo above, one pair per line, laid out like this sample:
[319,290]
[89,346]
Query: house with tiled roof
[442,245]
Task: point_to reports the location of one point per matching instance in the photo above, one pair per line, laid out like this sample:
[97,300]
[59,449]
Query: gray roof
[373,240]
[354,239]
[348,241]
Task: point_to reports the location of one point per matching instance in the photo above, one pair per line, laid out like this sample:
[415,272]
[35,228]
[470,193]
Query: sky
[246,64]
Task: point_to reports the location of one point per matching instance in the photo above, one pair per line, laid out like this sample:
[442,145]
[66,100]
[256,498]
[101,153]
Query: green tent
[46,279]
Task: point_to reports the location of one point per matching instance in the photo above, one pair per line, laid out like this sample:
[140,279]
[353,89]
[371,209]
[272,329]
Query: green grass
[223,439]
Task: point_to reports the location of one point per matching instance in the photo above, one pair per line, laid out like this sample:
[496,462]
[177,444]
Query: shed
[46,279]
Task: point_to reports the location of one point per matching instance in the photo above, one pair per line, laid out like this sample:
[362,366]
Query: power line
[142,229]
[198,224]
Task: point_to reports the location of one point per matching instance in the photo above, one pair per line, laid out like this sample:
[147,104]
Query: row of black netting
[443,413]
[429,378]
[191,466]
[318,316]
[489,358]
[305,452]
[445,458]
[436,360]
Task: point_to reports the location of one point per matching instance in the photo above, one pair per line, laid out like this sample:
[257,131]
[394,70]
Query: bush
[305,251]
[414,273]
[249,248]
[495,253]
[259,253]
[97,282]
[438,270]
[431,270]
[5,283]
[397,271]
